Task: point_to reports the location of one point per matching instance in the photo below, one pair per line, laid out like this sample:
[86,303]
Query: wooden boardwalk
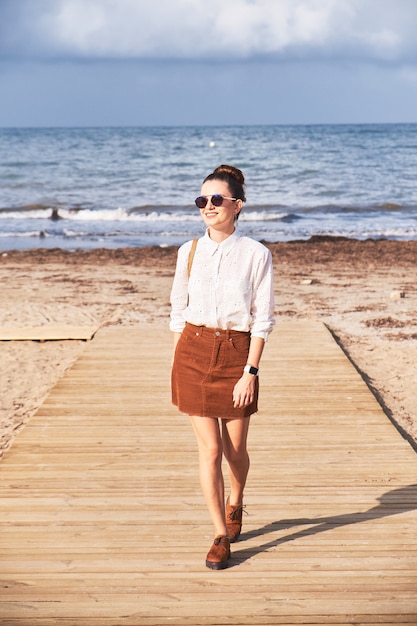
[103,524]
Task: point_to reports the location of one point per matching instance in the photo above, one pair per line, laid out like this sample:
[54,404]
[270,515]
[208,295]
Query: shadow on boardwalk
[391,503]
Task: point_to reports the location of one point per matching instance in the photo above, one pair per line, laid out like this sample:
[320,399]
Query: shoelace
[219,540]
[237,512]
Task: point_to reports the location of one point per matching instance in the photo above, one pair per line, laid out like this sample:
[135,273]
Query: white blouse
[230,286]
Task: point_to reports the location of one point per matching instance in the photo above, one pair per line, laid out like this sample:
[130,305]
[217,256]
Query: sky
[207,62]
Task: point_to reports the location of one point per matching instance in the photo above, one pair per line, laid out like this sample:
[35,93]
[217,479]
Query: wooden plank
[49,332]
[103,521]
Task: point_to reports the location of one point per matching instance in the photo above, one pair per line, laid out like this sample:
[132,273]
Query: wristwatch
[251,370]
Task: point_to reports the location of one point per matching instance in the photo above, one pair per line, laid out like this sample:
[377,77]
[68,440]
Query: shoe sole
[217,566]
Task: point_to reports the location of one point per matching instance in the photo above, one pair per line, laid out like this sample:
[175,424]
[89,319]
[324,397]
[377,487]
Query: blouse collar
[225,246]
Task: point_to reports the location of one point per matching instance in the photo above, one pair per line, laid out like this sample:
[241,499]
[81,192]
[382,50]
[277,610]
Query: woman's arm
[255,351]
[179,290]
[244,390]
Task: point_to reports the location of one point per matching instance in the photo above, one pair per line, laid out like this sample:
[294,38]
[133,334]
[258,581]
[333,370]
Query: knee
[211,454]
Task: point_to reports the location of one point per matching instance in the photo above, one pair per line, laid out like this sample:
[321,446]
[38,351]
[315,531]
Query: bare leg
[210,450]
[234,435]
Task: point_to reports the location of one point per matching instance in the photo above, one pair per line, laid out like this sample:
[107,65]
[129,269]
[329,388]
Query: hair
[233,177]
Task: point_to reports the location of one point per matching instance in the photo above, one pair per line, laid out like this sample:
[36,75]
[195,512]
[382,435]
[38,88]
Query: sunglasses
[216,200]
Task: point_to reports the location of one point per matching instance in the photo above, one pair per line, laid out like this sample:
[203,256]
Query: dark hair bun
[233,177]
[231,171]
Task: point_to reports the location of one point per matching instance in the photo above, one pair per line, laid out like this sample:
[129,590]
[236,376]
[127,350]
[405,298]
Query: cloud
[372,30]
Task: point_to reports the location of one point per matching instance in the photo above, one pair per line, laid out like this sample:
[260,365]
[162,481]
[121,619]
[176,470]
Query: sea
[85,188]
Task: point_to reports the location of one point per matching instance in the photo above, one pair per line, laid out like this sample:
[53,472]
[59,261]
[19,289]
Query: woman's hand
[244,391]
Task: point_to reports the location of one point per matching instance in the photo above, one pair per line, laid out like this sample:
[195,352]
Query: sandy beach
[364,291]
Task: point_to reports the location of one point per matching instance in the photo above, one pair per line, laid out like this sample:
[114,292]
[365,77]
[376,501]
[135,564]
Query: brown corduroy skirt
[208,362]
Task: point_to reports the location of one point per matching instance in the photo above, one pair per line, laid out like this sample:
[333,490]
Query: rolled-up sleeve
[262,307]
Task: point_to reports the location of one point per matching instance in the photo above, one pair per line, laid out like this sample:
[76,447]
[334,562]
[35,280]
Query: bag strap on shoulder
[191,257]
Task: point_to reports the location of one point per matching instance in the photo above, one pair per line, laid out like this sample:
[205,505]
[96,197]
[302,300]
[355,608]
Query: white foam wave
[123,215]
[76,233]
[40,214]
[88,215]
[30,233]
[261,216]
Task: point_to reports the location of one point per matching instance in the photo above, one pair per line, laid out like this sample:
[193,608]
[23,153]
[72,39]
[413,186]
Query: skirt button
[217,333]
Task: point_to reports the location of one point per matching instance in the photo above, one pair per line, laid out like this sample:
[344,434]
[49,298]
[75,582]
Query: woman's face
[221,218]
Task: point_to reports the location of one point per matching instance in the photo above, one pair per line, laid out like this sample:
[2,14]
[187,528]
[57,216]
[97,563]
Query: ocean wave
[26,214]
[172,225]
[264,216]
[156,214]
[23,235]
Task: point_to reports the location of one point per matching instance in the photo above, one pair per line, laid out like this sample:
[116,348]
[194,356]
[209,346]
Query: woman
[222,313]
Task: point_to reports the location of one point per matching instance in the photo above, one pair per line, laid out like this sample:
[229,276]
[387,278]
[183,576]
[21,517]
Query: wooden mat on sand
[103,523]
[49,332]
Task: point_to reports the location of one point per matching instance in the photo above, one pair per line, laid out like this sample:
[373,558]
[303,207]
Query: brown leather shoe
[234,521]
[219,553]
